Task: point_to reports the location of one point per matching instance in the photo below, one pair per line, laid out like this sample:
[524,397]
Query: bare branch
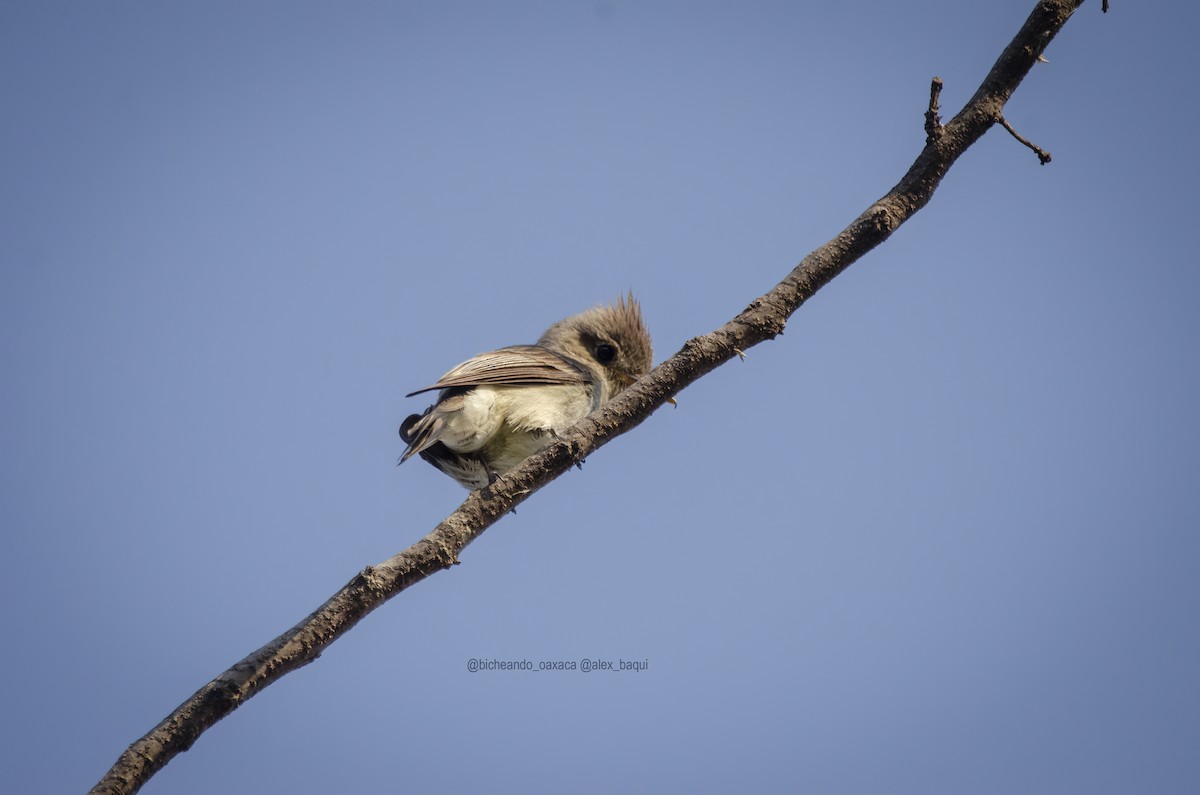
[763,319]
[1042,154]
[933,122]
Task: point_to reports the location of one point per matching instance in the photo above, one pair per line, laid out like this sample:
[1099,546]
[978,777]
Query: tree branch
[763,319]
[1042,154]
[933,122]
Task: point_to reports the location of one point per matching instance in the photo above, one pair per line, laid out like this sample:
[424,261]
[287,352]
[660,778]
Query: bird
[498,408]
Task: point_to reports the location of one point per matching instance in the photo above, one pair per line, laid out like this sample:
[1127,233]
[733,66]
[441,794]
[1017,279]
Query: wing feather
[519,365]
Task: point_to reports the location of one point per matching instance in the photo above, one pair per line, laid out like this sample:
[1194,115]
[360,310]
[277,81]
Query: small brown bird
[498,408]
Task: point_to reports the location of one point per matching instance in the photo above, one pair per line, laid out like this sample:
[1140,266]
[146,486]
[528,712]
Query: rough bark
[763,319]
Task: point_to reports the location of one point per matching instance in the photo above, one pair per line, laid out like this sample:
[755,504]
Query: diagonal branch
[763,319]
[1042,154]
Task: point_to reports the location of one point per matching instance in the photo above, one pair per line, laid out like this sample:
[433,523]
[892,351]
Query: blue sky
[939,537]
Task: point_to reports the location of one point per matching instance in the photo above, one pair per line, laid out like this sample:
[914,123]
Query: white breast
[556,408]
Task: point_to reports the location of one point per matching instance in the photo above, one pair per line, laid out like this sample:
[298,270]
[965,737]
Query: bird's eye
[605,353]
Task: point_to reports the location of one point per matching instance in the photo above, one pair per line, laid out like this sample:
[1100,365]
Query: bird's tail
[420,431]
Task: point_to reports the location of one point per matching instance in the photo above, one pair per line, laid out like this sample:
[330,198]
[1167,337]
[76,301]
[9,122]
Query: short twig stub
[1042,155]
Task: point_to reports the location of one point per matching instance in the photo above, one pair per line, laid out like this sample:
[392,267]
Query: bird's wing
[520,365]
